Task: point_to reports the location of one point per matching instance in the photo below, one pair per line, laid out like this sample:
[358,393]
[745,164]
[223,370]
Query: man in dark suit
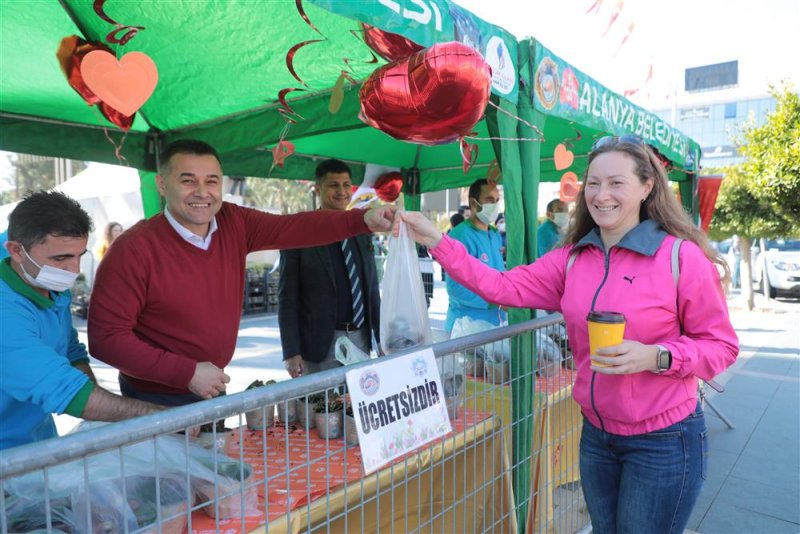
[329,291]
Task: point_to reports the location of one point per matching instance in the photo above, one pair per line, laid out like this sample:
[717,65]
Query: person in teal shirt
[44,369]
[552,230]
[482,241]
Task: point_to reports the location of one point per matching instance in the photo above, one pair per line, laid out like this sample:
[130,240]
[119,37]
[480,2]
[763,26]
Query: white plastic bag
[346,352]
[497,352]
[404,313]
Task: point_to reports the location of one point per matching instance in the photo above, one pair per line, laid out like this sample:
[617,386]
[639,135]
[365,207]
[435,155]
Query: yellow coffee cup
[606,329]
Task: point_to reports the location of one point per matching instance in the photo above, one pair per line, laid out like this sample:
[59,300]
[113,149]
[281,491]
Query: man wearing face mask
[482,241]
[44,369]
[552,230]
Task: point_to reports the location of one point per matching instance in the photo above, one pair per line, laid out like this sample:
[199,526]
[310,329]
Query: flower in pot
[328,416]
[350,429]
[305,408]
[262,417]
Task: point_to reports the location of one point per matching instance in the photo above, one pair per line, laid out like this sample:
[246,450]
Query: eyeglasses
[615,140]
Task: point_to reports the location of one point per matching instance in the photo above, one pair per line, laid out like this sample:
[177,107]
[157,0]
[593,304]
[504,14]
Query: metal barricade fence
[143,476]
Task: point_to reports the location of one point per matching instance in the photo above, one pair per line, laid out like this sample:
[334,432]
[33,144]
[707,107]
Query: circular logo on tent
[369,382]
[499,58]
[546,83]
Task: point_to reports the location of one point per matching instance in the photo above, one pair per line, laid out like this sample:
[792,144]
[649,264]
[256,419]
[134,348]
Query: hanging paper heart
[469,155]
[563,157]
[390,46]
[569,187]
[432,97]
[70,53]
[125,85]
[281,151]
[337,95]
[493,173]
[388,186]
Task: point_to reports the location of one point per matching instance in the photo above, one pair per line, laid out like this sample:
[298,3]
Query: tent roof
[221,67]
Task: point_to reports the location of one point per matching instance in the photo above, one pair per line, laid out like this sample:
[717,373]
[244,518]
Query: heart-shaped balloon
[70,54]
[125,85]
[388,186]
[569,187]
[563,157]
[432,97]
[390,46]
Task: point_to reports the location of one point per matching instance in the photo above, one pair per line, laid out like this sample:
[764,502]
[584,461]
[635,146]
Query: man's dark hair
[331,165]
[186,146]
[475,188]
[552,205]
[462,209]
[47,213]
[456,219]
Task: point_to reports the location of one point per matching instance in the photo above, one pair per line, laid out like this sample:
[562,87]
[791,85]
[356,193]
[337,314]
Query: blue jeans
[647,483]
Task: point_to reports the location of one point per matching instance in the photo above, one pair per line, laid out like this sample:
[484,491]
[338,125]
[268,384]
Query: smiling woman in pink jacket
[644,451]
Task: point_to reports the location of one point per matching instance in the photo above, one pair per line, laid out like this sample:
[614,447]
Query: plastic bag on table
[497,352]
[222,482]
[404,312]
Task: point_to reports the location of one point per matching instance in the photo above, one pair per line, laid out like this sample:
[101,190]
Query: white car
[777,268]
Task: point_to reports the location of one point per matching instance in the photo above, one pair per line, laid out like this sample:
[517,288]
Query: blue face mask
[50,278]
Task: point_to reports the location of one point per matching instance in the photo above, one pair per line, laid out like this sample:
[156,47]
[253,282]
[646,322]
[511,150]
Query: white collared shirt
[188,235]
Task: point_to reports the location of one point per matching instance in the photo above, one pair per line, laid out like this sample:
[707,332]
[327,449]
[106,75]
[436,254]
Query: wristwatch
[664,359]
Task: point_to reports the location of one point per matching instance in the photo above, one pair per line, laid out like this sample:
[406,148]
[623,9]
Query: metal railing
[493,473]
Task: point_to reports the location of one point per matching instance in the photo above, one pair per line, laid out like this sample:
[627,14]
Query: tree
[760,197]
[289,196]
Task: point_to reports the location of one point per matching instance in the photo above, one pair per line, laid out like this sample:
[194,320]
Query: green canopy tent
[222,65]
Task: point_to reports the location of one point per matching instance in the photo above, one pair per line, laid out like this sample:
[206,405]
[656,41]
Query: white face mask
[487,213]
[561,220]
[50,278]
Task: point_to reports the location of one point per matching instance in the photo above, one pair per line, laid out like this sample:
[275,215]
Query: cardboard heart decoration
[281,151]
[563,157]
[124,85]
[569,188]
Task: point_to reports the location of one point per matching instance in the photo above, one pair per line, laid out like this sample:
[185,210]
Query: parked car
[777,268]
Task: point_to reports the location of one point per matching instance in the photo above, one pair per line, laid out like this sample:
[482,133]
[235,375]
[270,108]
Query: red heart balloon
[70,53]
[390,46]
[388,186]
[432,97]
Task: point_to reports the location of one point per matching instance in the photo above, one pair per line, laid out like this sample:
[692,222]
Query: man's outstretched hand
[380,218]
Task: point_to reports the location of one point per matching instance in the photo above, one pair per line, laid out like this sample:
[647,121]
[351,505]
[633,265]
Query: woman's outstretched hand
[419,228]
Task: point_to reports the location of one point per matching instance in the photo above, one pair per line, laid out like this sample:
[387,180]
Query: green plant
[334,404]
[258,383]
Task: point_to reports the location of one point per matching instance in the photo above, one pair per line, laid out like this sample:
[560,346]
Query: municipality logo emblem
[369,382]
[420,367]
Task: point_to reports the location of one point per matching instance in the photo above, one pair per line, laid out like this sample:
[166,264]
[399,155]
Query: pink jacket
[635,279]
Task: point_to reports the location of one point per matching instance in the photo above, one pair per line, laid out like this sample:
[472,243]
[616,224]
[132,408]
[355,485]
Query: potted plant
[305,409]
[262,417]
[350,429]
[328,416]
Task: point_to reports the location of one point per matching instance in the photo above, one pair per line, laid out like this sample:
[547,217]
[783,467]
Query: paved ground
[753,483]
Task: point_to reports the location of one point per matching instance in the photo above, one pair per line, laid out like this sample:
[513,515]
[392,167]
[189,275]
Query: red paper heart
[432,97]
[563,157]
[569,187]
[469,155]
[281,151]
[125,85]
[388,186]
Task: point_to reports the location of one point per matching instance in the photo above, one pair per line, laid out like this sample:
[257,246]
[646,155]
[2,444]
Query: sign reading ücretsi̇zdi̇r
[398,405]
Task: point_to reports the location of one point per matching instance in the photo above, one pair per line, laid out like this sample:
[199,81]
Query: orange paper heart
[563,157]
[124,85]
[469,155]
[569,189]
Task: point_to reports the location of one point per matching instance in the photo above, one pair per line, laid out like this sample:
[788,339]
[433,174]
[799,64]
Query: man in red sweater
[167,298]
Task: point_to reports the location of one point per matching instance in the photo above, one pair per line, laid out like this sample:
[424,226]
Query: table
[556,434]
[425,488]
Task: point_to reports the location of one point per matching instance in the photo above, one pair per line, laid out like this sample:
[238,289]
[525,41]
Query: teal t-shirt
[38,347]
